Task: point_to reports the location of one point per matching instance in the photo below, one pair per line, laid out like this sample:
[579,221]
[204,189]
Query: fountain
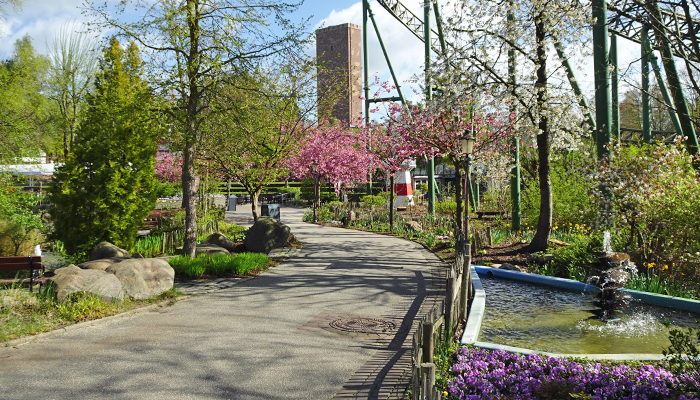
[609,272]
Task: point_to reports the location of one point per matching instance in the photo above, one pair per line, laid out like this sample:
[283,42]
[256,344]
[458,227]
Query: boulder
[142,278]
[509,267]
[220,240]
[414,225]
[137,255]
[210,249]
[107,250]
[72,279]
[266,234]
[102,264]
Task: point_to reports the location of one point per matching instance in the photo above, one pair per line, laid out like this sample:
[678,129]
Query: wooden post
[490,235]
[428,381]
[164,244]
[449,298]
[428,345]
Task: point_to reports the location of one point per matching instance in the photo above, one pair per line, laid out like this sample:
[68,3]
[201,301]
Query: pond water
[547,319]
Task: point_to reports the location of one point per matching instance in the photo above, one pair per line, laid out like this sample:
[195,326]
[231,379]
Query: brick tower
[339,51]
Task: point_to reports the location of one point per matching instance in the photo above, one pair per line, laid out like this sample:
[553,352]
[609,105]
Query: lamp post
[467,144]
[314,170]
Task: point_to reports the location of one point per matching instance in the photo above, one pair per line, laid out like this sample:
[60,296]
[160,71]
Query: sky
[42,18]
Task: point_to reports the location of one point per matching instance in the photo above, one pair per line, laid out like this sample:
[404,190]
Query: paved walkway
[286,334]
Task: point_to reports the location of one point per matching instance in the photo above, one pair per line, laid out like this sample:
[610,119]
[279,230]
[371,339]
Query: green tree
[193,46]
[24,111]
[104,190]
[73,65]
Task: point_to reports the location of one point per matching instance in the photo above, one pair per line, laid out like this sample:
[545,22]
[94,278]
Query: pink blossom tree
[168,167]
[341,153]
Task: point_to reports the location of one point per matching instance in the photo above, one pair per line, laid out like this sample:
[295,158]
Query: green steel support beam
[602,77]
[574,84]
[646,99]
[515,171]
[615,94]
[438,22]
[674,81]
[365,72]
[386,55]
[383,99]
[664,92]
[428,97]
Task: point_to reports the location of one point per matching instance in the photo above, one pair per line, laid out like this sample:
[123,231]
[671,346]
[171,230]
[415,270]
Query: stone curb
[80,325]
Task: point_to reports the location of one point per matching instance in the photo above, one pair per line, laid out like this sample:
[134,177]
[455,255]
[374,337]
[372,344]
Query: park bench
[32,264]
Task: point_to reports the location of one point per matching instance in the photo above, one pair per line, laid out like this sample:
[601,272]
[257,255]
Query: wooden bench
[32,264]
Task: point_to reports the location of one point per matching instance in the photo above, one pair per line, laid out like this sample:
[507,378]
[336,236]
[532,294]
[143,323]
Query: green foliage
[167,189]
[446,208]
[684,352]
[370,201]
[105,188]
[326,191]
[237,264]
[19,224]
[571,200]
[24,110]
[574,261]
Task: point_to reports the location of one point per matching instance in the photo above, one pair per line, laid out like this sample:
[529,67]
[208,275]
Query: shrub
[574,261]
[373,201]
[446,208]
[684,353]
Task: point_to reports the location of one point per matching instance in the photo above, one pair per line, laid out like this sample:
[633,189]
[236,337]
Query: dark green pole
[386,55]
[515,187]
[574,84]
[673,80]
[615,127]
[365,72]
[664,92]
[602,77]
[646,99]
[428,97]
[515,171]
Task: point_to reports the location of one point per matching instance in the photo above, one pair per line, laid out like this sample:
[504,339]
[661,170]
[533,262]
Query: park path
[265,338]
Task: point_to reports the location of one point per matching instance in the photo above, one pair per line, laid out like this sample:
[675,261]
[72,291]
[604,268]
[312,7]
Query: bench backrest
[20,263]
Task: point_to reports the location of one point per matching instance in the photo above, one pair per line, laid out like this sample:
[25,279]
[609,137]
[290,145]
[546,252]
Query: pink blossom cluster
[168,167]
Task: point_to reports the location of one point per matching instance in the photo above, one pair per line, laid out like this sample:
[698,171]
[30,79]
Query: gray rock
[107,250]
[211,249]
[137,255]
[509,267]
[102,264]
[72,279]
[266,234]
[143,278]
[220,240]
[414,225]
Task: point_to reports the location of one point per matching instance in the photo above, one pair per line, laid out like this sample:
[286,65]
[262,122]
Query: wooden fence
[439,325]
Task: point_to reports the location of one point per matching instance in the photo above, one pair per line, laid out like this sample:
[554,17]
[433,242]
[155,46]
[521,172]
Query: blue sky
[42,18]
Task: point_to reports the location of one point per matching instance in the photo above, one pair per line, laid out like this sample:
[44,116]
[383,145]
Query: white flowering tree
[525,79]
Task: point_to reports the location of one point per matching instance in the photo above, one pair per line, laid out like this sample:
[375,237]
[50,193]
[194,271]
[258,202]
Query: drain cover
[364,325]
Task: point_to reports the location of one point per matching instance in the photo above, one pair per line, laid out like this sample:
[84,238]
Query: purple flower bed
[484,374]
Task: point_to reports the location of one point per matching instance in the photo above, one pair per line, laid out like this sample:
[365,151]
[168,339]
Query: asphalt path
[259,339]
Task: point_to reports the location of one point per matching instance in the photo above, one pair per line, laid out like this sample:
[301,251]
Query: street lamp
[314,170]
[467,144]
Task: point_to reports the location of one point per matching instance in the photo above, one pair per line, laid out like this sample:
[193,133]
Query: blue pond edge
[476,313]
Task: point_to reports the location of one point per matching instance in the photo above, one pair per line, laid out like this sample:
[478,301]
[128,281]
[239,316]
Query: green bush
[370,201]
[684,353]
[446,208]
[574,261]
[167,189]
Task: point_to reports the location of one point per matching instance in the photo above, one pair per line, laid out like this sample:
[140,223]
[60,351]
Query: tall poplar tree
[104,190]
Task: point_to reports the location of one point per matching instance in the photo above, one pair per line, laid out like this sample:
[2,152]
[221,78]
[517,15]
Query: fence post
[489,235]
[449,298]
[428,381]
[466,282]
[428,343]
[164,253]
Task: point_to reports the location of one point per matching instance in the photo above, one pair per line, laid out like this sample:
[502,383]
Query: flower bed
[484,374]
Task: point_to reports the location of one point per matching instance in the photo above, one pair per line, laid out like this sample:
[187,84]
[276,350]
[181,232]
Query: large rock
[220,240]
[72,279]
[142,278]
[107,250]
[265,235]
[210,249]
[102,264]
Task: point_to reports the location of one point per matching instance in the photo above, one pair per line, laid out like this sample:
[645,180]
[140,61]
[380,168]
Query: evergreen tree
[104,190]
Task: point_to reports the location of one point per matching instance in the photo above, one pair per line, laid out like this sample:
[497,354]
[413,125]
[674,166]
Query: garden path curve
[272,337]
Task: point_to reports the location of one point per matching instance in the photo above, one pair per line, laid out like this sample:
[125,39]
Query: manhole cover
[364,325]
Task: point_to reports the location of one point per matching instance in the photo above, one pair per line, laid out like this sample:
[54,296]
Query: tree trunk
[190,185]
[544,223]
[254,194]
[458,200]
[391,203]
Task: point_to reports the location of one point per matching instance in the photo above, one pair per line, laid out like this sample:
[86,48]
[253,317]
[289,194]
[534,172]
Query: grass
[25,313]
[219,264]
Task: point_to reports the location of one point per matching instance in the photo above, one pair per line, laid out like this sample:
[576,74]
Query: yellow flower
[445,394]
